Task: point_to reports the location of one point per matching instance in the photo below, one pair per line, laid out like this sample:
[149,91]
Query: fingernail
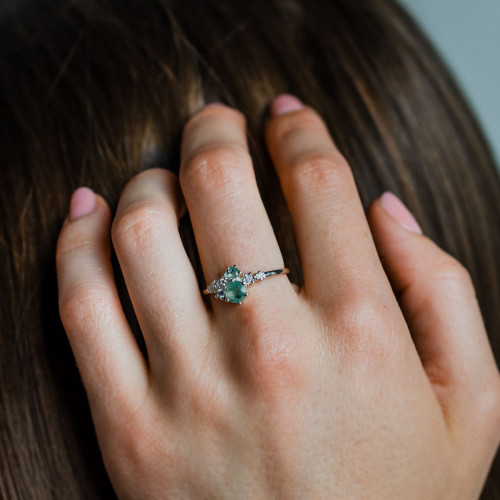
[82,203]
[285,103]
[398,211]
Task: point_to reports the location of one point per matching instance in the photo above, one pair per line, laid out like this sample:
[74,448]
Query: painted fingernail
[398,211]
[82,203]
[285,103]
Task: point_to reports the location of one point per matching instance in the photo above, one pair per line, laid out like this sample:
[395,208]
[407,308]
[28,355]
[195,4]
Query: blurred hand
[333,390]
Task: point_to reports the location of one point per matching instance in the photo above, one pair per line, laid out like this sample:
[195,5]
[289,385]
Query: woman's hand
[331,391]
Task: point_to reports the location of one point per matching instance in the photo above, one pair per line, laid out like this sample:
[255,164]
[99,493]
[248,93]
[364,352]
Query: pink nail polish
[82,203]
[285,103]
[398,211]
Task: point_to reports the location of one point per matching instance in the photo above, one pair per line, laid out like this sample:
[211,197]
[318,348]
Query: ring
[232,285]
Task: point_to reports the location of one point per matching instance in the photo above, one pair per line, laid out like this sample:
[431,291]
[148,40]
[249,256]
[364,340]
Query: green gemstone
[235,292]
[231,273]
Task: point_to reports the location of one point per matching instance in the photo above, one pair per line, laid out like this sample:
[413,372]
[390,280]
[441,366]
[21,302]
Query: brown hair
[91,92]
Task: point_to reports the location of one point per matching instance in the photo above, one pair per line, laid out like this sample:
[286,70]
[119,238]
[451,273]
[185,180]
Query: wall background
[467,33]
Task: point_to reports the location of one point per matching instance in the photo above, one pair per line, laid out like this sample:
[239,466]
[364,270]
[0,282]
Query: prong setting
[232,285]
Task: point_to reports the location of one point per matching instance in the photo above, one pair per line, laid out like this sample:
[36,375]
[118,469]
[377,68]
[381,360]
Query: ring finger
[230,222]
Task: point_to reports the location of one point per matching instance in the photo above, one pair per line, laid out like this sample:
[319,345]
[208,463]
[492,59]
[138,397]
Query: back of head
[91,92]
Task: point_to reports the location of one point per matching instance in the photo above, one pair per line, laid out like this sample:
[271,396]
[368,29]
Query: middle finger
[334,241]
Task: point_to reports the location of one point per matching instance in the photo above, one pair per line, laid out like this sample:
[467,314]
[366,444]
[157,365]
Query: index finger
[334,241]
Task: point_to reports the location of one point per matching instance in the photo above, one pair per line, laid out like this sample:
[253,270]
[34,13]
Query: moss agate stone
[235,292]
[231,273]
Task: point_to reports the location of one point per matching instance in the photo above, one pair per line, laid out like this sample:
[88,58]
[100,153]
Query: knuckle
[136,224]
[319,172]
[368,331]
[219,168]
[277,365]
[207,397]
[489,401]
[74,243]
[82,303]
[356,305]
[278,357]
[451,271]
[135,440]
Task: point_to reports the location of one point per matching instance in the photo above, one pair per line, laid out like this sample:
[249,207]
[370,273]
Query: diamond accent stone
[214,286]
[220,294]
[259,275]
[248,279]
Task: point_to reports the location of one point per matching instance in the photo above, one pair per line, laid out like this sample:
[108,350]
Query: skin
[335,389]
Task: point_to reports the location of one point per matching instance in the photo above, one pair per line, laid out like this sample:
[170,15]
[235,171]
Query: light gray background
[467,33]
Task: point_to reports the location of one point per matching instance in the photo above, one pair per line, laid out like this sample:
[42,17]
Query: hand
[334,390]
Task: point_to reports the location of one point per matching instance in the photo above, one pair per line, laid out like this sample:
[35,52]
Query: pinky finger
[438,300]
[113,370]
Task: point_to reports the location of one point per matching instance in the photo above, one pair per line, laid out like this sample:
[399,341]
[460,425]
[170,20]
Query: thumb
[437,298]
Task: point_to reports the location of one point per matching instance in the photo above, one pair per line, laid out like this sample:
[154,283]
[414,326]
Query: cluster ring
[232,285]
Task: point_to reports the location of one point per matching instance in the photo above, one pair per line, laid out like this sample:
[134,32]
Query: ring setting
[232,285]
